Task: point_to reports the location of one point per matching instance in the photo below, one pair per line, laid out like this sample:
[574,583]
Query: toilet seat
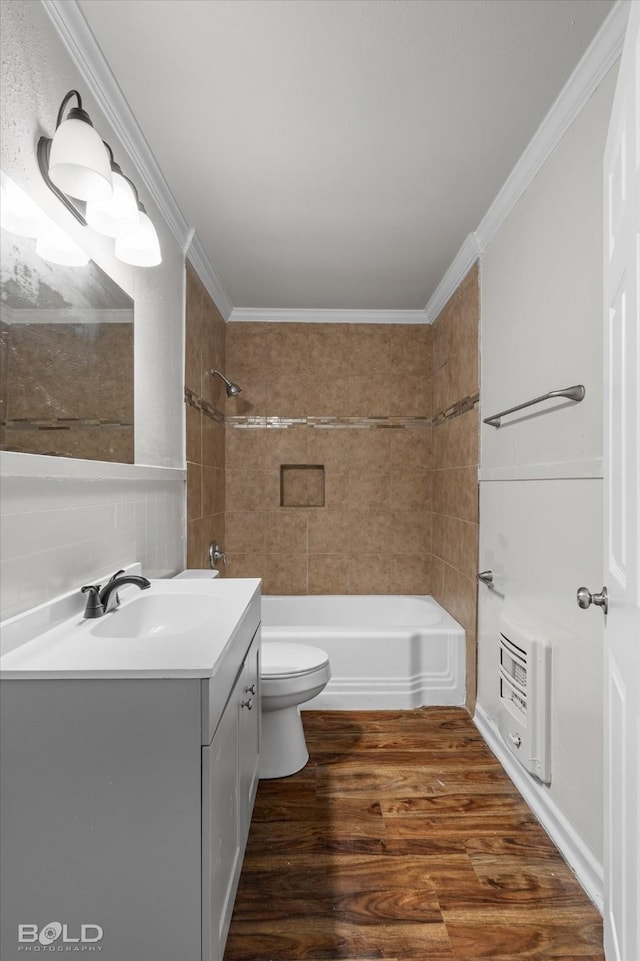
[281,660]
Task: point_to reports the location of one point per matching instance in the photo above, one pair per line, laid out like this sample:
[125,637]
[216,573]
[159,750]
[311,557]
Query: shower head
[231,388]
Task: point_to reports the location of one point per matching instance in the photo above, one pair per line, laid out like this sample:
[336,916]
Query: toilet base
[283,749]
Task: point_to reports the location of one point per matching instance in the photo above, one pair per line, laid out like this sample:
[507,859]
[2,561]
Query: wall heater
[525,697]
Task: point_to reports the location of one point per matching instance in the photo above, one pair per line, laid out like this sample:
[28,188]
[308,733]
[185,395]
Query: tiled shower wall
[204,402]
[456,385]
[353,402]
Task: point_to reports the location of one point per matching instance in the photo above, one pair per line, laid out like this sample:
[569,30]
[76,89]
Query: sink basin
[158,615]
[174,628]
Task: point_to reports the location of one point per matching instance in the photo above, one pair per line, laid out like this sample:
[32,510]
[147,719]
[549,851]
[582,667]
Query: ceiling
[336,153]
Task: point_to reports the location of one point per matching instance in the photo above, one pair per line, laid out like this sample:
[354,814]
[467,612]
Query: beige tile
[409,532]
[410,574]
[287,394]
[329,446]
[195,544]
[368,532]
[252,402]
[455,492]
[194,491]
[245,448]
[410,491]
[245,532]
[336,489]
[410,395]
[456,440]
[368,449]
[370,349]
[369,574]
[327,393]
[246,565]
[193,331]
[246,350]
[194,434]
[410,448]
[459,597]
[213,390]
[456,543]
[368,491]
[328,574]
[213,491]
[328,347]
[328,531]
[213,442]
[286,574]
[369,396]
[411,348]
[288,351]
[437,578]
[286,445]
[246,490]
[286,532]
[272,490]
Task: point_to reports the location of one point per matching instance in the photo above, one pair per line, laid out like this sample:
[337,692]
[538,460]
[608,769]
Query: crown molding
[596,62]
[195,253]
[85,52]
[600,56]
[83,48]
[458,270]
[310,316]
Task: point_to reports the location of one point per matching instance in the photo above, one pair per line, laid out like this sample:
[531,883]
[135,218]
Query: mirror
[66,355]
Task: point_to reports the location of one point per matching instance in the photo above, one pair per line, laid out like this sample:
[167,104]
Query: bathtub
[393,652]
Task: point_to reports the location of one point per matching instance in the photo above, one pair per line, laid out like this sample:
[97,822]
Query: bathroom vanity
[129,771]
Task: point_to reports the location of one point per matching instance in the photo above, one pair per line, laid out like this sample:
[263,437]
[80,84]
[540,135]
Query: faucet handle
[216,554]
[117,574]
[94,607]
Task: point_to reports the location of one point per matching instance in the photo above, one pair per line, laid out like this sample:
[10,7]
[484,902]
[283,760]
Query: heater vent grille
[525,690]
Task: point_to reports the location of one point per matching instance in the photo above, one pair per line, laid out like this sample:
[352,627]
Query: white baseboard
[579,857]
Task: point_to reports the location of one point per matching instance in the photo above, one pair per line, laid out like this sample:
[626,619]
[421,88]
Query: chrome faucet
[103,600]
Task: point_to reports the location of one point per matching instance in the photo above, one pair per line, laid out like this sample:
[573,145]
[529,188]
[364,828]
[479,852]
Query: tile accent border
[460,407]
[198,403]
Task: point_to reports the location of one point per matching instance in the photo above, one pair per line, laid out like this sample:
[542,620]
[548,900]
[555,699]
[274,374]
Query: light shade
[55,245]
[117,214]
[140,247]
[78,162]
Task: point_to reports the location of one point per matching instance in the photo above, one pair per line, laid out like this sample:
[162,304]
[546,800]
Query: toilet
[290,674]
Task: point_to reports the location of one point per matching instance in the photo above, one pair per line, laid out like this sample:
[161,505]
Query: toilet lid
[284,660]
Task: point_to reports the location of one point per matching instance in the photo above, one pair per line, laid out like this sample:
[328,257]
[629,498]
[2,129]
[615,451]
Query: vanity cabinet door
[229,784]
[249,726]
[221,858]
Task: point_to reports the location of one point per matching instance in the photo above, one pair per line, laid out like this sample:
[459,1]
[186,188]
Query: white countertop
[77,648]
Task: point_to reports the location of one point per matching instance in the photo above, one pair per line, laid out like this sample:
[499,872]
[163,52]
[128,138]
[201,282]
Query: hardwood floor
[404,839]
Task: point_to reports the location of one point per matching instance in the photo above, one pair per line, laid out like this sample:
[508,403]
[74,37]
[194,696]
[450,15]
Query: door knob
[585,598]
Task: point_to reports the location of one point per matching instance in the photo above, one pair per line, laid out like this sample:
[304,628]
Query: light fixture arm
[78,112]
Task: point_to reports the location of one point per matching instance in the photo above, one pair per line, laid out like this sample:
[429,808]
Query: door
[622,507]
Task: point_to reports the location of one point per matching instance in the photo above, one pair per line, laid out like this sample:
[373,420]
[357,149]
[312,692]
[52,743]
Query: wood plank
[403,839]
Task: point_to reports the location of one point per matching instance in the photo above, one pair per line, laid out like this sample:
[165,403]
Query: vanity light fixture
[78,160]
[118,213]
[77,165]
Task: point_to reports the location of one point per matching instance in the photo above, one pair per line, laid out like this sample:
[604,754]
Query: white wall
[37,71]
[541,487]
